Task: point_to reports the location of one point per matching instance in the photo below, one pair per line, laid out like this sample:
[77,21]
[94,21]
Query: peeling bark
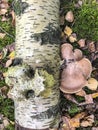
[35,80]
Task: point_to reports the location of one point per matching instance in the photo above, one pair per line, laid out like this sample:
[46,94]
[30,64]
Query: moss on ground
[6,105]
[86,21]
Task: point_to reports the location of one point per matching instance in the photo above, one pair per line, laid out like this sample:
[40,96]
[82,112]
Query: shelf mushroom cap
[67,51]
[72,79]
[75,74]
[85,66]
[78,55]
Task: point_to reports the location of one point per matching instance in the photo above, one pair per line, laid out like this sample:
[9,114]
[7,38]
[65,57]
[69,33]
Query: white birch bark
[36,97]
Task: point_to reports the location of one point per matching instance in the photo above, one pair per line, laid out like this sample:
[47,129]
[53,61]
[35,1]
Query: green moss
[10,127]
[49,83]
[9,30]
[86,21]
[7,108]
[73,110]
[46,93]
[49,79]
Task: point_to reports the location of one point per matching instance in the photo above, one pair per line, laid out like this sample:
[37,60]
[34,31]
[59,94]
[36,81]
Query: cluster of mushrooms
[76,69]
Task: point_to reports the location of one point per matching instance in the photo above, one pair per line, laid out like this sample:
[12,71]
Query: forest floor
[79,25]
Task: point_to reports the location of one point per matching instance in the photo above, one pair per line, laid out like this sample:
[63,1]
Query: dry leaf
[12,55]
[94,95]
[4,90]
[13,17]
[66,124]
[91,47]
[94,128]
[81,93]
[92,84]
[3,11]
[88,99]
[72,38]
[88,121]
[10,47]
[6,122]
[3,19]
[80,115]
[74,122]
[4,51]
[2,35]
[8,63]
[4,74]
[4,4]
[81,42]
[68,31]
[1,55]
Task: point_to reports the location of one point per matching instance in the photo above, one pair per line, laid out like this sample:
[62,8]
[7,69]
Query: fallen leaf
[10,47]
[88,121]
[5,122]
[3,19]
[94,128]
[12,55]
[91,46]
[2,35]
[13,17]
[3,11]
[4,51]
[4,74]
[81,43]
[8,63]
[72,38]
[81,93]
[88,99]
[74,122]
[4,4]
[94,95]
[66,124]
[92,84]
[68,31]
[80,115]
[1,55]
[1,126]
[4,90]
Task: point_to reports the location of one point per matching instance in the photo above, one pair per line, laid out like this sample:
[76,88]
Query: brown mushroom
[85,66]
[72,79]
[67,51]
[69,16]
[74,76]
[78,54]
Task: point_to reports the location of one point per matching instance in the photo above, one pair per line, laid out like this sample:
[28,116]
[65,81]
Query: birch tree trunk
[35,74]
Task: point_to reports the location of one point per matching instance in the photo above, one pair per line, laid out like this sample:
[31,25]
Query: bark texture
[35,74]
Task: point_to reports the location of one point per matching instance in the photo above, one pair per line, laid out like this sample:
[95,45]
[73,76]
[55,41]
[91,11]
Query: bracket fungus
[76,71]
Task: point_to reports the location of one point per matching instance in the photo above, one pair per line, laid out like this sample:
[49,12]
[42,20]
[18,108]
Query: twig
[7,33]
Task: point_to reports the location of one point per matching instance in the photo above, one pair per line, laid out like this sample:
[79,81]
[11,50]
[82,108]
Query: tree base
[18,127]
